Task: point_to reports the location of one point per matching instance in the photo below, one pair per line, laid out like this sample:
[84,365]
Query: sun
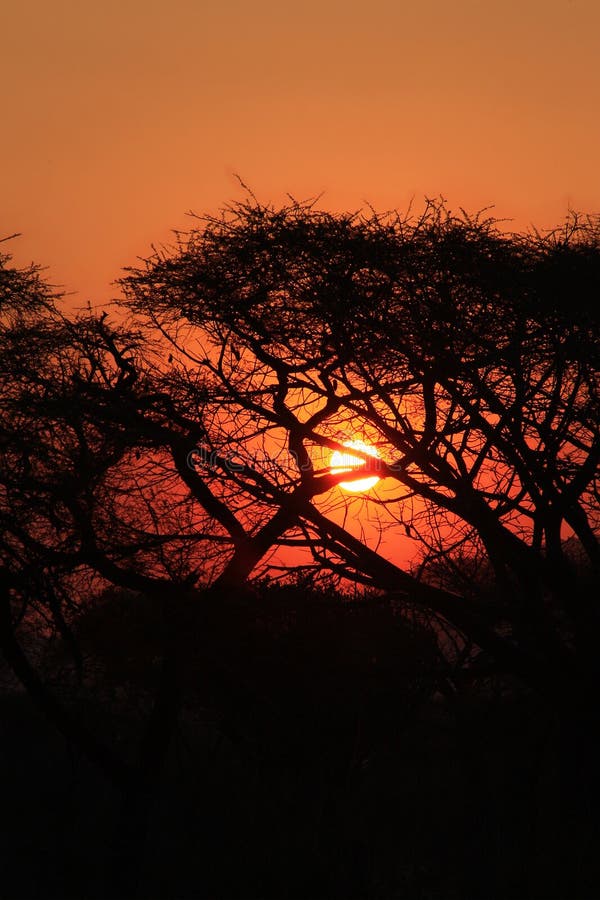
[345,462]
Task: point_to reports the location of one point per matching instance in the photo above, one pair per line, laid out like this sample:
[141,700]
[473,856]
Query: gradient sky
[119,117]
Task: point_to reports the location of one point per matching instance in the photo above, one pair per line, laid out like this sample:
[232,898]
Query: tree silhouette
[453,347]
[178,449]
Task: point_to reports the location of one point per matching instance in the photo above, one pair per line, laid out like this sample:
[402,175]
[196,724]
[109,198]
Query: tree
[172,450]
[469,357]
[455,348]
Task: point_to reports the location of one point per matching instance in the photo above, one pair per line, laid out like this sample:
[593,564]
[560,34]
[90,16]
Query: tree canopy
[173,445]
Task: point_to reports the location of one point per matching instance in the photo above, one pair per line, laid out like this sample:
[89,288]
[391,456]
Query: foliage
[448,344]
[177,454]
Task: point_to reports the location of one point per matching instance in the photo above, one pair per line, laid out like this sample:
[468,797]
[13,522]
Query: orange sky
[118,117]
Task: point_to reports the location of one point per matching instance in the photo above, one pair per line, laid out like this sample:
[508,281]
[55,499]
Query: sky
[120,117]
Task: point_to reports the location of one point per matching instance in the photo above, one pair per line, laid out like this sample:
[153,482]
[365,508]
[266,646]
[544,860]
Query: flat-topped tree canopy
[186,444]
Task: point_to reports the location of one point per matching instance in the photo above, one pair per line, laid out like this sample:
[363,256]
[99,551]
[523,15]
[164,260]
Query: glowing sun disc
[345,462]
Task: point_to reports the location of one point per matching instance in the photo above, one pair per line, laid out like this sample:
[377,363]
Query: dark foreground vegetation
[332,753]
[220,679]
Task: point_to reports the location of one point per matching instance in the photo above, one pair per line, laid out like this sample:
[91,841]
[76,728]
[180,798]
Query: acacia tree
[178,451]
[468,356]
[172,453]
